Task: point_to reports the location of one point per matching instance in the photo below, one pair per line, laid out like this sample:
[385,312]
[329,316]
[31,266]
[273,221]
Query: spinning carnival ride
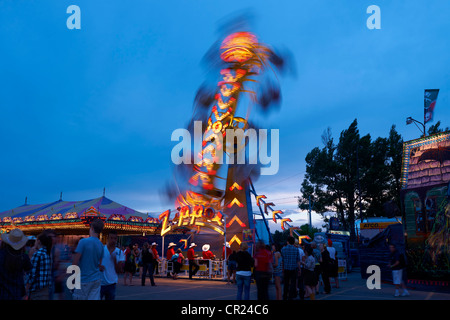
[218,196]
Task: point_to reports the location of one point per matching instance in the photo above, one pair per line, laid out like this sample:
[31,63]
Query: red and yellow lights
[236,219]
[235,238]
[193,217]
[238,47]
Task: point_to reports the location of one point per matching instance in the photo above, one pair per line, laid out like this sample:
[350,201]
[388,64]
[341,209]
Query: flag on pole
[429,104]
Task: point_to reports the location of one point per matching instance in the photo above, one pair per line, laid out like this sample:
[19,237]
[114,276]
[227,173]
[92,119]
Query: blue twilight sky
[92,108]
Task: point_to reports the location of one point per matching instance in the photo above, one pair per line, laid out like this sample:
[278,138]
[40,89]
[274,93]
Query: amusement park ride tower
[218,195]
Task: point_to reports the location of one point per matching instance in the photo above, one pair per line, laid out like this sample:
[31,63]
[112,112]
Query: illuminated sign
[192,217]
[342,233]
[376,225]
[426,161]
[235,202]
[283,221]
[236,219]
[235,238]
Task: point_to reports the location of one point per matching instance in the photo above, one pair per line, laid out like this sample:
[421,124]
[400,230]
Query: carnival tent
[74,216]
[104,205]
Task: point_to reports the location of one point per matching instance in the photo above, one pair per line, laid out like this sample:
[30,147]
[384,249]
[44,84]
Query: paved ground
[354,288]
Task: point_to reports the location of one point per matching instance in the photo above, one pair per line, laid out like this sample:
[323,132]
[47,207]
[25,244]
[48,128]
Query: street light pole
[410,120]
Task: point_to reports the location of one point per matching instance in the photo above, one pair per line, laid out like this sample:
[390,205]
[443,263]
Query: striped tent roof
[104,205]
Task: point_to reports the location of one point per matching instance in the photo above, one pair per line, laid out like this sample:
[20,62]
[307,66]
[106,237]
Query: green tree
[281,236]
[395,158]
[354,177]
[437,128]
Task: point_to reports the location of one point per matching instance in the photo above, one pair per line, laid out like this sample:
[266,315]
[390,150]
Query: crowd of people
[297,270]
[35,268]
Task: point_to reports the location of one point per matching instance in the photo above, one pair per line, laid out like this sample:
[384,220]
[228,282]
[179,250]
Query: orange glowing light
[165,222]
[268,205]
[283,221]
[235,202]
[238,47]
[218,218]
[235,186]
[258,198]
[235,238]
[236,219]
[274,213]
[196,213]
[185,242]
[184,213]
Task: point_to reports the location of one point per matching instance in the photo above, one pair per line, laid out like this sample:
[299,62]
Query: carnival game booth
[425,199]
[71,219]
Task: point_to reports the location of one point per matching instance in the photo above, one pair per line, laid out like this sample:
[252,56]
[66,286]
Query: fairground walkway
[354,288]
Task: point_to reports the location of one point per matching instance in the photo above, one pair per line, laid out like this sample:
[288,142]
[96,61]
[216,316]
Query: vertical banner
[429,104]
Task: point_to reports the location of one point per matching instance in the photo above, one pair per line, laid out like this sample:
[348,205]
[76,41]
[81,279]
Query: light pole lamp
[410,120]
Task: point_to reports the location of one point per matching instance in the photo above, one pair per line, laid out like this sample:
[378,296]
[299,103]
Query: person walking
[137,260]
[397,264]
[40,278]
[334,270]
[263,270]
[170,252]
[177,260]
[244,264]
[277,270]
[148,264]
[309,275]
[318,259]
[88,256]
[61,259]
[14,264]
[157,259]
[231,266]
[192,263]
[291,268]
[129,266]
[300,278]
[112,264]
[325,266]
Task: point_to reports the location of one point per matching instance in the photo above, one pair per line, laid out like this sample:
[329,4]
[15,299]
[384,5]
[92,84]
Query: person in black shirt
[232,267]
[397,263]
[244,266]
[14,263]
[148,264]
[325,266]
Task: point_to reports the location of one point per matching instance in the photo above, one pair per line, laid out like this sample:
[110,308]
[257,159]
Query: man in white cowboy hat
[14,263]
[156,256]
[170,251]
[206,253]
[191,257]
[169,254]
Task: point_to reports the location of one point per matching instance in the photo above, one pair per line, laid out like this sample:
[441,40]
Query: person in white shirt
[300,279]
[334,272]
[332,251]
[113,259]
